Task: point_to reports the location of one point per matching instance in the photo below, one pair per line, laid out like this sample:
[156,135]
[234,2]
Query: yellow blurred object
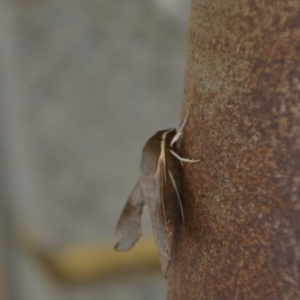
[82,263]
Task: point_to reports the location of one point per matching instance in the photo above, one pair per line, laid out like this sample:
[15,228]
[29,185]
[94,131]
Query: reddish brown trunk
[242,202]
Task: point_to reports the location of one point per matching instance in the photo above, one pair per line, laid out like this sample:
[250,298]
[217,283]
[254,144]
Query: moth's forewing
[159,228]
[156,214]
[128,229]
[166,199]
[159,191]
[164,216]
[168,192]
[150,167]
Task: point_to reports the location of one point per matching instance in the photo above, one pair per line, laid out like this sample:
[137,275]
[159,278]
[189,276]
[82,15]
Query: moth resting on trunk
[158,187]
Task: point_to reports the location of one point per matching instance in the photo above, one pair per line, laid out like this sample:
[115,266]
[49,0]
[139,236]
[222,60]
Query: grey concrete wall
[83,84]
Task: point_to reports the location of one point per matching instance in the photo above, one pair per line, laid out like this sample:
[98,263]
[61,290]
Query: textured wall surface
[83,85]
[242,202]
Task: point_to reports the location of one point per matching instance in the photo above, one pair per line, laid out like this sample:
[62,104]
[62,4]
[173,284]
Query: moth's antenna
[179,133]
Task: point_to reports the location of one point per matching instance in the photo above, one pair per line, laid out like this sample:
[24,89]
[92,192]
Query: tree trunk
[241,202]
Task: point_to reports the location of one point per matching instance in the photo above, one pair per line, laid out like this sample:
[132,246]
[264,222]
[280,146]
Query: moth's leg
[182,159]
[178,197]
[128,229]
[179,133]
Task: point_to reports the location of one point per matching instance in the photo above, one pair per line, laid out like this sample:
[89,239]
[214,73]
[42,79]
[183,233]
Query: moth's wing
[165,198]
[164,264]
[159,228]
[165,217]
[128,229]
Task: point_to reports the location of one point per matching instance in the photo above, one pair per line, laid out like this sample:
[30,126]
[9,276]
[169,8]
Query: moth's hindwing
[128,229]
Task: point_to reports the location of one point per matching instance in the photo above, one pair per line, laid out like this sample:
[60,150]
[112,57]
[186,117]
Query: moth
[159,188]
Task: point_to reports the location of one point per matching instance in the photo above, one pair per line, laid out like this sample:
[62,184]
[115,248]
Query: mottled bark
[241,203]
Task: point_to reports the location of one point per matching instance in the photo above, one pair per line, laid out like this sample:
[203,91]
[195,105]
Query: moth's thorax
[152,150]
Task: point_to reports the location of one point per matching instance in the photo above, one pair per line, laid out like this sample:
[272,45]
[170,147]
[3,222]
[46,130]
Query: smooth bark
[242,208]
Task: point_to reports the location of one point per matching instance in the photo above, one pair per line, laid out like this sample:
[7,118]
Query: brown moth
[158,187]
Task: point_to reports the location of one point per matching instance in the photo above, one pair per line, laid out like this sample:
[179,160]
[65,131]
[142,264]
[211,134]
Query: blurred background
[83,85]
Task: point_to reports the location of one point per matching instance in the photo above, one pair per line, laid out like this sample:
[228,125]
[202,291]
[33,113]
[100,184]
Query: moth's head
[153,148]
